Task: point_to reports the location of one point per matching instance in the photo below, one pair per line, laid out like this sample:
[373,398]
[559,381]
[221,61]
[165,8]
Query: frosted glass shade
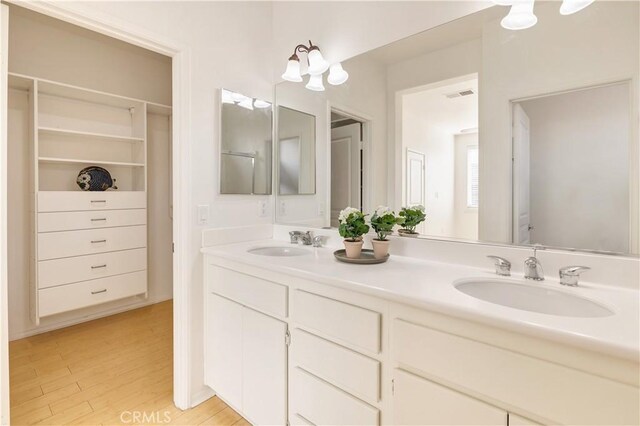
[315,83]
[292,73]
[520,16]
[259,103]
[503,2]
[247,103]
[337,75]
[317,64]
[227,97]
[572,6]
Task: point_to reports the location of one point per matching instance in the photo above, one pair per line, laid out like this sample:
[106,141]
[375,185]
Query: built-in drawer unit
[342,367]
[54,245]
[265,296]
[68,270]
[59,201]
[321,403]
[69,221]
[64,298]
[339,321]
[561,394]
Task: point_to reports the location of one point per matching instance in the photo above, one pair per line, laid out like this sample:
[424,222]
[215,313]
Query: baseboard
[97,315]
[201,396]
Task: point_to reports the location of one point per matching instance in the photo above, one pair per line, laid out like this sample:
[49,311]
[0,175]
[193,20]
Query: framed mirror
[510,137]
[296,152]
[245,145]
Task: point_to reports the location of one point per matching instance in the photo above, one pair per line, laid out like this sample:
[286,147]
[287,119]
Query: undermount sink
[278,251]
[533,298]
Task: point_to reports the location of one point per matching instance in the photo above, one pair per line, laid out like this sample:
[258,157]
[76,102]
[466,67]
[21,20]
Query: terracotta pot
[353,248]
[380,248]
[407,233]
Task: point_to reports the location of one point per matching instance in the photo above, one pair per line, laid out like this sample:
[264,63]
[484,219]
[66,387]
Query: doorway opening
[347,163]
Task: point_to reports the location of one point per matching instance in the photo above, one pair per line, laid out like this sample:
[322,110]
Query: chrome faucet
[294,235]
[503,266]
[299,236]
[569,275]
[532,267]
[317,241]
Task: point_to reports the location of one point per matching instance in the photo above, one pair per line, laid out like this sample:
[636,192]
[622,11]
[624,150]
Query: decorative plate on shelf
[94,178]
[366,257]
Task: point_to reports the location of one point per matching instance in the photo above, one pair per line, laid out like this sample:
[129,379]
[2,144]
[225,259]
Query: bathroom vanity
[304,339]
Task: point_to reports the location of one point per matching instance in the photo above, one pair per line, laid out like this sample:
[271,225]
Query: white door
[264,375]
[345,169]
[4,310]
[225,349]
[521,177]
[415,178]
[418,401]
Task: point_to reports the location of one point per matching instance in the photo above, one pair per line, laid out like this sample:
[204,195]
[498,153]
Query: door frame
[108,25]
[367,170]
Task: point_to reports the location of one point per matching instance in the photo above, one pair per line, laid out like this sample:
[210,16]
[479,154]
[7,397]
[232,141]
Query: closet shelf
[103,136]
[81,161]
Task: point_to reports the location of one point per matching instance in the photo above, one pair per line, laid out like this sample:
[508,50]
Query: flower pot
[380,248]
[407,233]
[353,248]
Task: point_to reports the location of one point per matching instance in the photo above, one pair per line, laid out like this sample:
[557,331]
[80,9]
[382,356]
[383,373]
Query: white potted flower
[382,221]
[352,228]
[410,217]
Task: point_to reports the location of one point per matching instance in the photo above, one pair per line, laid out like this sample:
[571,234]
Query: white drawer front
[68,297]
[70,221]
[82,268]
[247,290]
[322,404]
[65,201]
[54,245]
[343,322]
[349,370]
[466,362]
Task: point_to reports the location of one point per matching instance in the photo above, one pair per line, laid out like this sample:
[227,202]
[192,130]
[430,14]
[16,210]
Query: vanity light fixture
[234,98]
[521,14]
[317,67]
[259,103]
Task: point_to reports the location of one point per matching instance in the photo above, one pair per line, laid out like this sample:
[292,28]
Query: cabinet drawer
[561,394]
[343,322]
[342,367]
[323,404]
[71,221]
[68,297]
[54,245]
[82,268]
[65,201]
[418,401]
[263,295]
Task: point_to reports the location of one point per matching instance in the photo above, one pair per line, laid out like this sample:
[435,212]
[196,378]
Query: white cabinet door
[264,375]
[225,349]
[418,401]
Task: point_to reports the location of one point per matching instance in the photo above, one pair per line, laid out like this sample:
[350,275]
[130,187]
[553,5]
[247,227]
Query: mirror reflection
[245,144]
[513,137]
[296,152]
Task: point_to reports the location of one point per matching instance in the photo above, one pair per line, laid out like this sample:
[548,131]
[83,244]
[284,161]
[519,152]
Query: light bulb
[572,6]
[337,75]
[317,64]
[292,72]
[520,16]
[315,83]
[259,103]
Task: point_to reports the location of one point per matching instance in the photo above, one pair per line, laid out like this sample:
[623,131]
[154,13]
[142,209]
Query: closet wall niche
[78,99]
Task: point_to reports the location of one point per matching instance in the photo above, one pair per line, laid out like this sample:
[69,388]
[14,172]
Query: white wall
[574,51]
[51,49]
[466,218]
[579,147]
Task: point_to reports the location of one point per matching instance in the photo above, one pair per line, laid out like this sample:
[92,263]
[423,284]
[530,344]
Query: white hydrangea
[382,211]
[344,214]
[419,207]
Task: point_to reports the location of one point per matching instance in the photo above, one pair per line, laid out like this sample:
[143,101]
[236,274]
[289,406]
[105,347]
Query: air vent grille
[461,93]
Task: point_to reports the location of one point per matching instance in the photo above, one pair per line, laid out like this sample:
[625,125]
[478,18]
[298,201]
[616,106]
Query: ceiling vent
[461,93]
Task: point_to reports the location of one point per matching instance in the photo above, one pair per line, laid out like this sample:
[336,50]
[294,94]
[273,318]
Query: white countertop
[428,285]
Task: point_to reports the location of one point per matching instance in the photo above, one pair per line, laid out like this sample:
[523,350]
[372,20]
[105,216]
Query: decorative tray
[366,258]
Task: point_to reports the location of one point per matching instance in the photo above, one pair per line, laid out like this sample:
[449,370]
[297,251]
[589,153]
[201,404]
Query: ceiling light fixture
[317,67]
[259,103]
[234,98]
[521,14]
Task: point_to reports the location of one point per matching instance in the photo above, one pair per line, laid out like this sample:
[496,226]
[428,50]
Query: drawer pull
[104,290]
[98,201]
[99,219]
[99,266]
[98,241]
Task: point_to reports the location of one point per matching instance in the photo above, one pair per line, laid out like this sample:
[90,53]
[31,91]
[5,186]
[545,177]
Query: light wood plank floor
[114,370]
